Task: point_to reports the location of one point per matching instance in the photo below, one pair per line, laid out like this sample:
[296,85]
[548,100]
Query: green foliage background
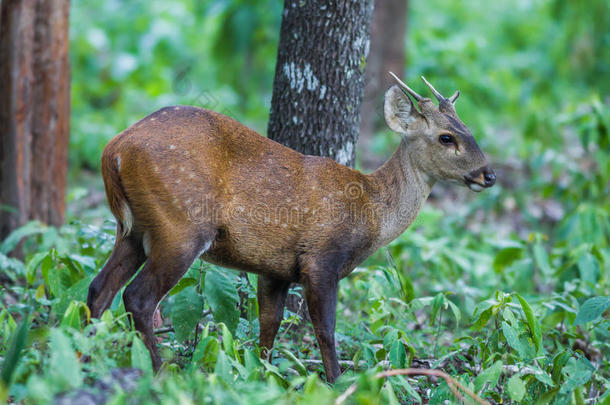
[506,290]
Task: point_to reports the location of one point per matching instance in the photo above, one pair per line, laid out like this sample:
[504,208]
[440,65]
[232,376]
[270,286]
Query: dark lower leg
[321,295]
[142,296]
[271,296]
[127,256]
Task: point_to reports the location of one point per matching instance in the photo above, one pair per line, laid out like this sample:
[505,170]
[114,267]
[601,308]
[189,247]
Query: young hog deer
[186,182]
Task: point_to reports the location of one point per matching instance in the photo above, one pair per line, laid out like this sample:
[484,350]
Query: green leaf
[489,376]
[456,313]
[77,292]
[11,241]
[516,388]
[64,369]
[541,258]
[592,309]
[13,355]
[73,316]
[588,269]
[398,355]
[437,304]
[402,382]
[222,296]
[543,377]
[11,267]
[533,324]
[506,257]
[577,372]
[512,338]
[223,367]
[186,312]
[227,341]
[482,313]
[32,266]
[300,368]
[206,351]
[182,284]
[140,356]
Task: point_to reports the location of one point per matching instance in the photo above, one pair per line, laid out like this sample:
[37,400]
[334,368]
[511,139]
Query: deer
[186,183]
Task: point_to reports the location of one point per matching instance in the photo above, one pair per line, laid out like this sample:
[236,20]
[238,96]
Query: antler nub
[454,97]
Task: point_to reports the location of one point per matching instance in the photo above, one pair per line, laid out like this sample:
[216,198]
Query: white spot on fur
[322,91]
[118,163]
[153,119]
[172,146]
[176,108]
[344,154]
[295,120]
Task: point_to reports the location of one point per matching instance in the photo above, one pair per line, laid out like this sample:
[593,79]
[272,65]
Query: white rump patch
[146,243]
[126,220]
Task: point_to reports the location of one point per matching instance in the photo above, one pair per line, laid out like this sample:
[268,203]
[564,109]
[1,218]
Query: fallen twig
[451,382]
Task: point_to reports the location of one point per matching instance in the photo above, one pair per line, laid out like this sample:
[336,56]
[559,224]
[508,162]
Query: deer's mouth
[480,179]
[474,185]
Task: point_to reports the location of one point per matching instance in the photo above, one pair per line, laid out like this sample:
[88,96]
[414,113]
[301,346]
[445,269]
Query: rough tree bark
[34,111]
[388,35]
[319,77]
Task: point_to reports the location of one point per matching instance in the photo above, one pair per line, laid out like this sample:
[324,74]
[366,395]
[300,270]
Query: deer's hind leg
[126,258]
[167,262]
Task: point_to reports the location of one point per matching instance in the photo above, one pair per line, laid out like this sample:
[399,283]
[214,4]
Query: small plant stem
[451,382]
[438,331]
[198,292]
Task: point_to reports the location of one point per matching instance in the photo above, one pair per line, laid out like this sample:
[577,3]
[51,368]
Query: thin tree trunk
[388,35]
[319,77]
[34,111]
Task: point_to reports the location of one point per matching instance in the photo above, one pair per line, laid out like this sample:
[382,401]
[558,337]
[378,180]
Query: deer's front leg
[321,293]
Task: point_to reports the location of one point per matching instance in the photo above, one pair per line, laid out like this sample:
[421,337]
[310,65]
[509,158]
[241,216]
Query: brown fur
[185,182]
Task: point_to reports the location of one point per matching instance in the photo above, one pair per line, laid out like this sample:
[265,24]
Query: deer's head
[438,141]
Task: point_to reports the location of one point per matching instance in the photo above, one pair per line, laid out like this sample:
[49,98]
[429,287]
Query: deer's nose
[489,177]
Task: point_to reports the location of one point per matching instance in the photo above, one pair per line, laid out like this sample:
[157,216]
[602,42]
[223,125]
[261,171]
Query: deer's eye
[446,139]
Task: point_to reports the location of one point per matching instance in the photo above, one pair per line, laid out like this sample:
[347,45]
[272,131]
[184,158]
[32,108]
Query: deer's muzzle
[480,179]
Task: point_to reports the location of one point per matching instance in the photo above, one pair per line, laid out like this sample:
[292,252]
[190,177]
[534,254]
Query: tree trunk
[34,111]
[319,77]
[388,35]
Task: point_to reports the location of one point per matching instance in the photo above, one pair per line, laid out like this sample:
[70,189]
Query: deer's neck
[403,189]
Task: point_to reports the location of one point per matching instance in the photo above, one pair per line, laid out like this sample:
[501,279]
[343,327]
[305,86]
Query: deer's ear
[399,110]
